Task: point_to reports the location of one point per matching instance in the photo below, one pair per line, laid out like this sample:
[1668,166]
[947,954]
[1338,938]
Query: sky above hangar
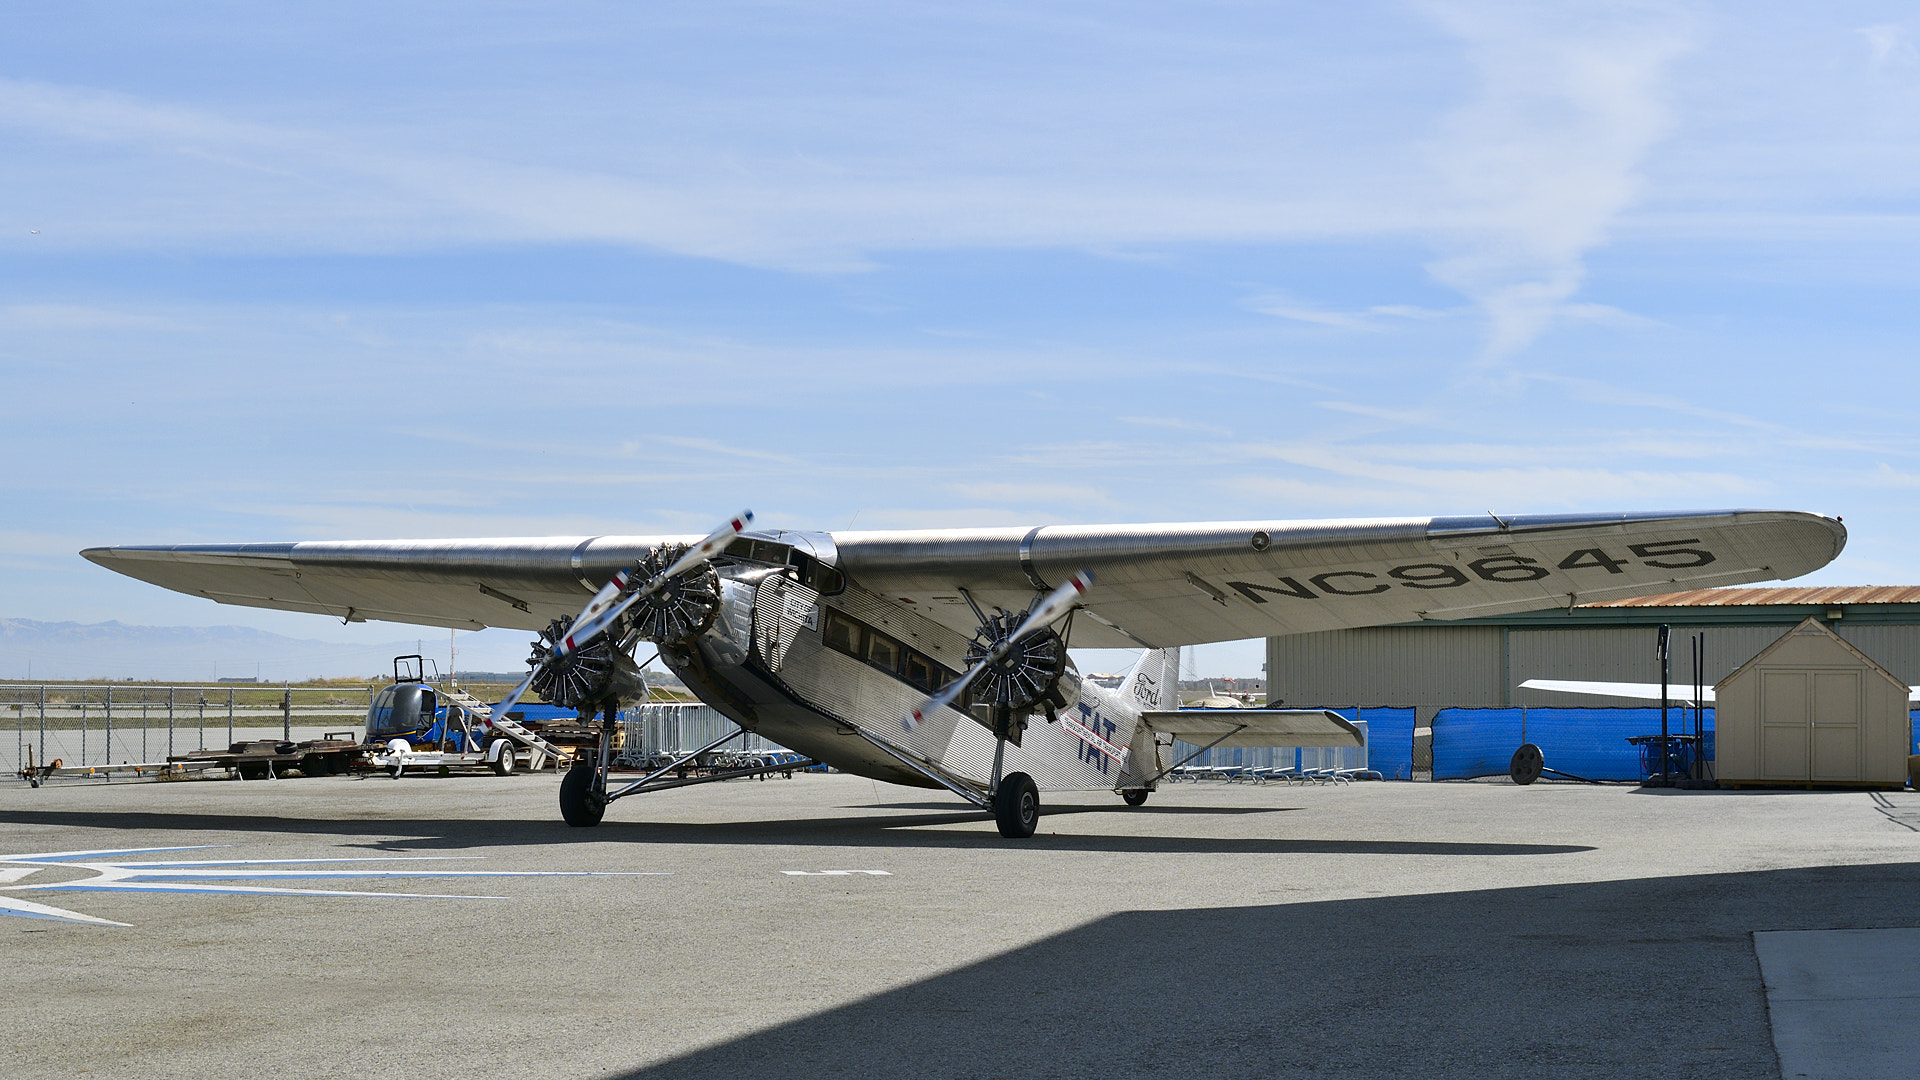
[411,269]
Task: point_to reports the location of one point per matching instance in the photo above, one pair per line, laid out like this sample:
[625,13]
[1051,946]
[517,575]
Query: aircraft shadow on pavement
[899,830]
[1609,979]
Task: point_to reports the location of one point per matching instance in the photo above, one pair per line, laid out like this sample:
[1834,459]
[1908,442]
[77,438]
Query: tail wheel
[580,803]
[1016,806]
[1135,797]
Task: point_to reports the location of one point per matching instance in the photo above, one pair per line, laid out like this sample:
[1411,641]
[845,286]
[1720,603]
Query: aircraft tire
[503,765]
[1135,796]
[1526,765]
[1016,806]
[579,803]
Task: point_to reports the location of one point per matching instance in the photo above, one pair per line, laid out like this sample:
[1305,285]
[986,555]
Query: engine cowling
[586,678]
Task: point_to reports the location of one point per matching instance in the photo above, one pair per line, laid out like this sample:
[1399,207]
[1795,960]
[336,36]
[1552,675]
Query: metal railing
[664,730]
[103,724]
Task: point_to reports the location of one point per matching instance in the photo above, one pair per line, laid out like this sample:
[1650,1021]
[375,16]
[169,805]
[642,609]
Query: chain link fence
[111,724]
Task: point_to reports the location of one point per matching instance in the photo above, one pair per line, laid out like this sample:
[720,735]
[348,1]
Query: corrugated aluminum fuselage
[767,664]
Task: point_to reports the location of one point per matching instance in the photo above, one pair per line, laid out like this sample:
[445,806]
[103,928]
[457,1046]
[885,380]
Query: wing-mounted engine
[586,677]
[1019,676]
[1019,661]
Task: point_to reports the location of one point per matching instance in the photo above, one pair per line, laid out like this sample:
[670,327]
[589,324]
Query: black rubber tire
[1016,806]
[1526,765]
[579,803]
[503,765]
[1135,796]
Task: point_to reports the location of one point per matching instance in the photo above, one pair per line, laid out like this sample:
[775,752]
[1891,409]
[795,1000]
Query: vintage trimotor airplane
[938,658]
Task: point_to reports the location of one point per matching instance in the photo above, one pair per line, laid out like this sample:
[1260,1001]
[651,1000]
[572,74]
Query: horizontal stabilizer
[1255,727]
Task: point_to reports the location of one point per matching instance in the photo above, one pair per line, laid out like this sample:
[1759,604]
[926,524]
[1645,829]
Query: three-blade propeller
[613,600]
[1057,603]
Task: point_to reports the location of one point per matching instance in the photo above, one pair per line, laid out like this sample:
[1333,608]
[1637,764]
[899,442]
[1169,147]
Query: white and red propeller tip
[593,621]
[1057,603]
[708,548]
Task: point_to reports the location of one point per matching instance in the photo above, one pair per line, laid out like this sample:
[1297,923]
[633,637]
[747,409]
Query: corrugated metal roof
[1832,596]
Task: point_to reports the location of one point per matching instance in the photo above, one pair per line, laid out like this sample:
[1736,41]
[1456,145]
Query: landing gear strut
[583,791]
[1016,798]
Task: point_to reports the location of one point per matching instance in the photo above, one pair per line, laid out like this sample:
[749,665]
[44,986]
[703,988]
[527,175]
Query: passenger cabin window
[883,652]
[845,634]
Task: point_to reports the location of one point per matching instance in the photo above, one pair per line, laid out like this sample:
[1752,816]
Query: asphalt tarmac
[1379,929]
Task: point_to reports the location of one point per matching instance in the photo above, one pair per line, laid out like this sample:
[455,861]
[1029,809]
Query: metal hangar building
[1481,662]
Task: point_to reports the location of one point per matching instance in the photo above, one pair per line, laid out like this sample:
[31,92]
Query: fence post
[230,693]
[83,728]
[143,726]
[200,722]
[109,758]
[169,721]
[43,723]
[286,712]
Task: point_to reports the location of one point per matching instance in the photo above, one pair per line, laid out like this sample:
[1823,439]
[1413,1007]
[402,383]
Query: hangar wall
[1386,665]
[1481,663]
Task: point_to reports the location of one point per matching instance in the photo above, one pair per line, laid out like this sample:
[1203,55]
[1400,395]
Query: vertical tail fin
[1154,682]
[1153,685]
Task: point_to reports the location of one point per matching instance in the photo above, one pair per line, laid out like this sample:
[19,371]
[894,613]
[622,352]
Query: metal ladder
[512,730]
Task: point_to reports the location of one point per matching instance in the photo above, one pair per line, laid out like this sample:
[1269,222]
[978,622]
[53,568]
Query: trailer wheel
[503,765]
[1134,796]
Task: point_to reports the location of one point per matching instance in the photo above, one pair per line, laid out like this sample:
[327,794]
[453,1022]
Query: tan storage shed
[1811,710]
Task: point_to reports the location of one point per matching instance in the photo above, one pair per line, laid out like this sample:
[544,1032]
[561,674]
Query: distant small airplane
[938,658]
[1641,691]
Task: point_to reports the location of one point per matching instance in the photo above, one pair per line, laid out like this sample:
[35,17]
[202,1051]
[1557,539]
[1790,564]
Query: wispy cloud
[1889,45]
[1549,150]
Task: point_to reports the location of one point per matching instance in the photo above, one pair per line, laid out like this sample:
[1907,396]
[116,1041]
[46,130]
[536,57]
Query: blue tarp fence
[1589,743]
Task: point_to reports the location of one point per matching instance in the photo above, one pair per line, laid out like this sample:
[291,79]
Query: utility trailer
[270,759]
[415,724]
[36,774]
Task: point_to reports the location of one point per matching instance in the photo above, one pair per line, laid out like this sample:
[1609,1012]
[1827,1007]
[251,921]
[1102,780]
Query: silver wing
[1156,585]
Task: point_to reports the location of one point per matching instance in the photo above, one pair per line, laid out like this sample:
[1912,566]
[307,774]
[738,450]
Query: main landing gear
[584,794]
[583,802]
[1016,806]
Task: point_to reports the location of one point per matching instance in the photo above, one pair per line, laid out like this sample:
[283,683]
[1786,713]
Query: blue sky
[507,269]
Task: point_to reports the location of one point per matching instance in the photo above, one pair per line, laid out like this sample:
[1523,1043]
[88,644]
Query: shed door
[1785,725]
[1836,725]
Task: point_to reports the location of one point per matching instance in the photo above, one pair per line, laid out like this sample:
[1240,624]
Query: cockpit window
[397,710]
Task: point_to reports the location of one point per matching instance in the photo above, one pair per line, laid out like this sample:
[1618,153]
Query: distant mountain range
[113,650]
